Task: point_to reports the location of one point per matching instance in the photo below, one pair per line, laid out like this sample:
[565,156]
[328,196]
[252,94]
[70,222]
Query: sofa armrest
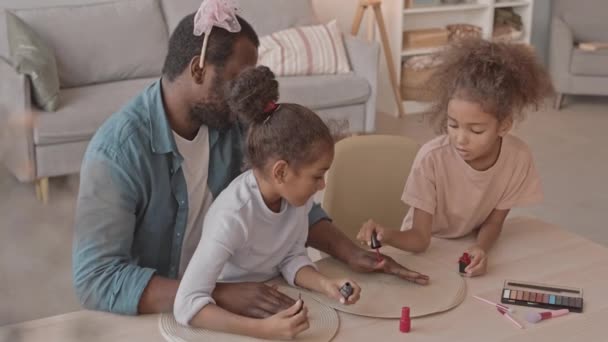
[560,51]
[364,57]
[16,123]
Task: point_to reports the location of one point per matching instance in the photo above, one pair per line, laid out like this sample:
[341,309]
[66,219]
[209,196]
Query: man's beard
[214,112]
[213,115]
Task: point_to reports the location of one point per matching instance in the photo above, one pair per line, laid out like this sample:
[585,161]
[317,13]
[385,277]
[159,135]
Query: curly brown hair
[291,132]
[503,78]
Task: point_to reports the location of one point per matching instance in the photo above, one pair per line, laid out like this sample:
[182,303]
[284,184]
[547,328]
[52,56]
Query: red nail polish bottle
[463,262]
[405,323]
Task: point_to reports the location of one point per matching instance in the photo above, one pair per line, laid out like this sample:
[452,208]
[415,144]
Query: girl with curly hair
[467,179]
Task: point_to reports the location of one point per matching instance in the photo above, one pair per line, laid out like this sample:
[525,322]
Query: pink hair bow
[220,13]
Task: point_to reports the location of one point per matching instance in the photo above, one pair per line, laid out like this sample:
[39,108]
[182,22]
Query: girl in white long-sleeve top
[257,227]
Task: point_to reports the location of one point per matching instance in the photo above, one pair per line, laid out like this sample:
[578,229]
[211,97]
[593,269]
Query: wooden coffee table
[528,249]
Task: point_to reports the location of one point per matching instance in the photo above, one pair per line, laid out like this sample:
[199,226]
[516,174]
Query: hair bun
[251,92]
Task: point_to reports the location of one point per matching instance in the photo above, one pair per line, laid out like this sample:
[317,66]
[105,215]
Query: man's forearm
[158,296]
[326,237]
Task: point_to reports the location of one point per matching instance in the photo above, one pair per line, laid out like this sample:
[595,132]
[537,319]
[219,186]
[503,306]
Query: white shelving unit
[445,8]
[504,4]
[399,19]
[421,51]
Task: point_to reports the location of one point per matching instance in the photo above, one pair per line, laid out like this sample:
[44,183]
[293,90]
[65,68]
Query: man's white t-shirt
[196,170]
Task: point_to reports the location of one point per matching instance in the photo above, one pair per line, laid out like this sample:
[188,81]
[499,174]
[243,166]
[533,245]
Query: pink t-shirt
[460,197]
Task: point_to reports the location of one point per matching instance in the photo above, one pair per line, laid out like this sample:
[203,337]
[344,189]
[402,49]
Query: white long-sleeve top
[243,241]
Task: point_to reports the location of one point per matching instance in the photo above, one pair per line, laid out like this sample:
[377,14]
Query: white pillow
[305,50]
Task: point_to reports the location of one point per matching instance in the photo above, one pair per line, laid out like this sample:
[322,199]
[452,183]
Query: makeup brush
[535,317]
[506,314]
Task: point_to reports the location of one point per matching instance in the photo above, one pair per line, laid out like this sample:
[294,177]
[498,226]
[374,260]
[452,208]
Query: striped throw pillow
[306,50]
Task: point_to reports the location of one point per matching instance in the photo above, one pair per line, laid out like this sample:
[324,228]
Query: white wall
[327,10]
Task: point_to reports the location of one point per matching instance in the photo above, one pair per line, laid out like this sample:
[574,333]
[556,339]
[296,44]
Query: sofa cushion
[31,56]
[266,16]
[82,110]
[103,42]
[305,50]
[324,91]
[589,63]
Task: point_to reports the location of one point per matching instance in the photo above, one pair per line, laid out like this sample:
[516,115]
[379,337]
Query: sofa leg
[559,98]
[42,190]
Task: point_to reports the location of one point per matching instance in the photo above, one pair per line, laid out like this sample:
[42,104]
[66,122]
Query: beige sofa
[108,52]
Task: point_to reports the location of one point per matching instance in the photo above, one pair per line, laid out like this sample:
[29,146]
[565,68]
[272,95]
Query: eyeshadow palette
[542,295]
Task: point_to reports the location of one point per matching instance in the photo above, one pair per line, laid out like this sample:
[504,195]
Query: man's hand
[326,237]
[364,261]
[256,300]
